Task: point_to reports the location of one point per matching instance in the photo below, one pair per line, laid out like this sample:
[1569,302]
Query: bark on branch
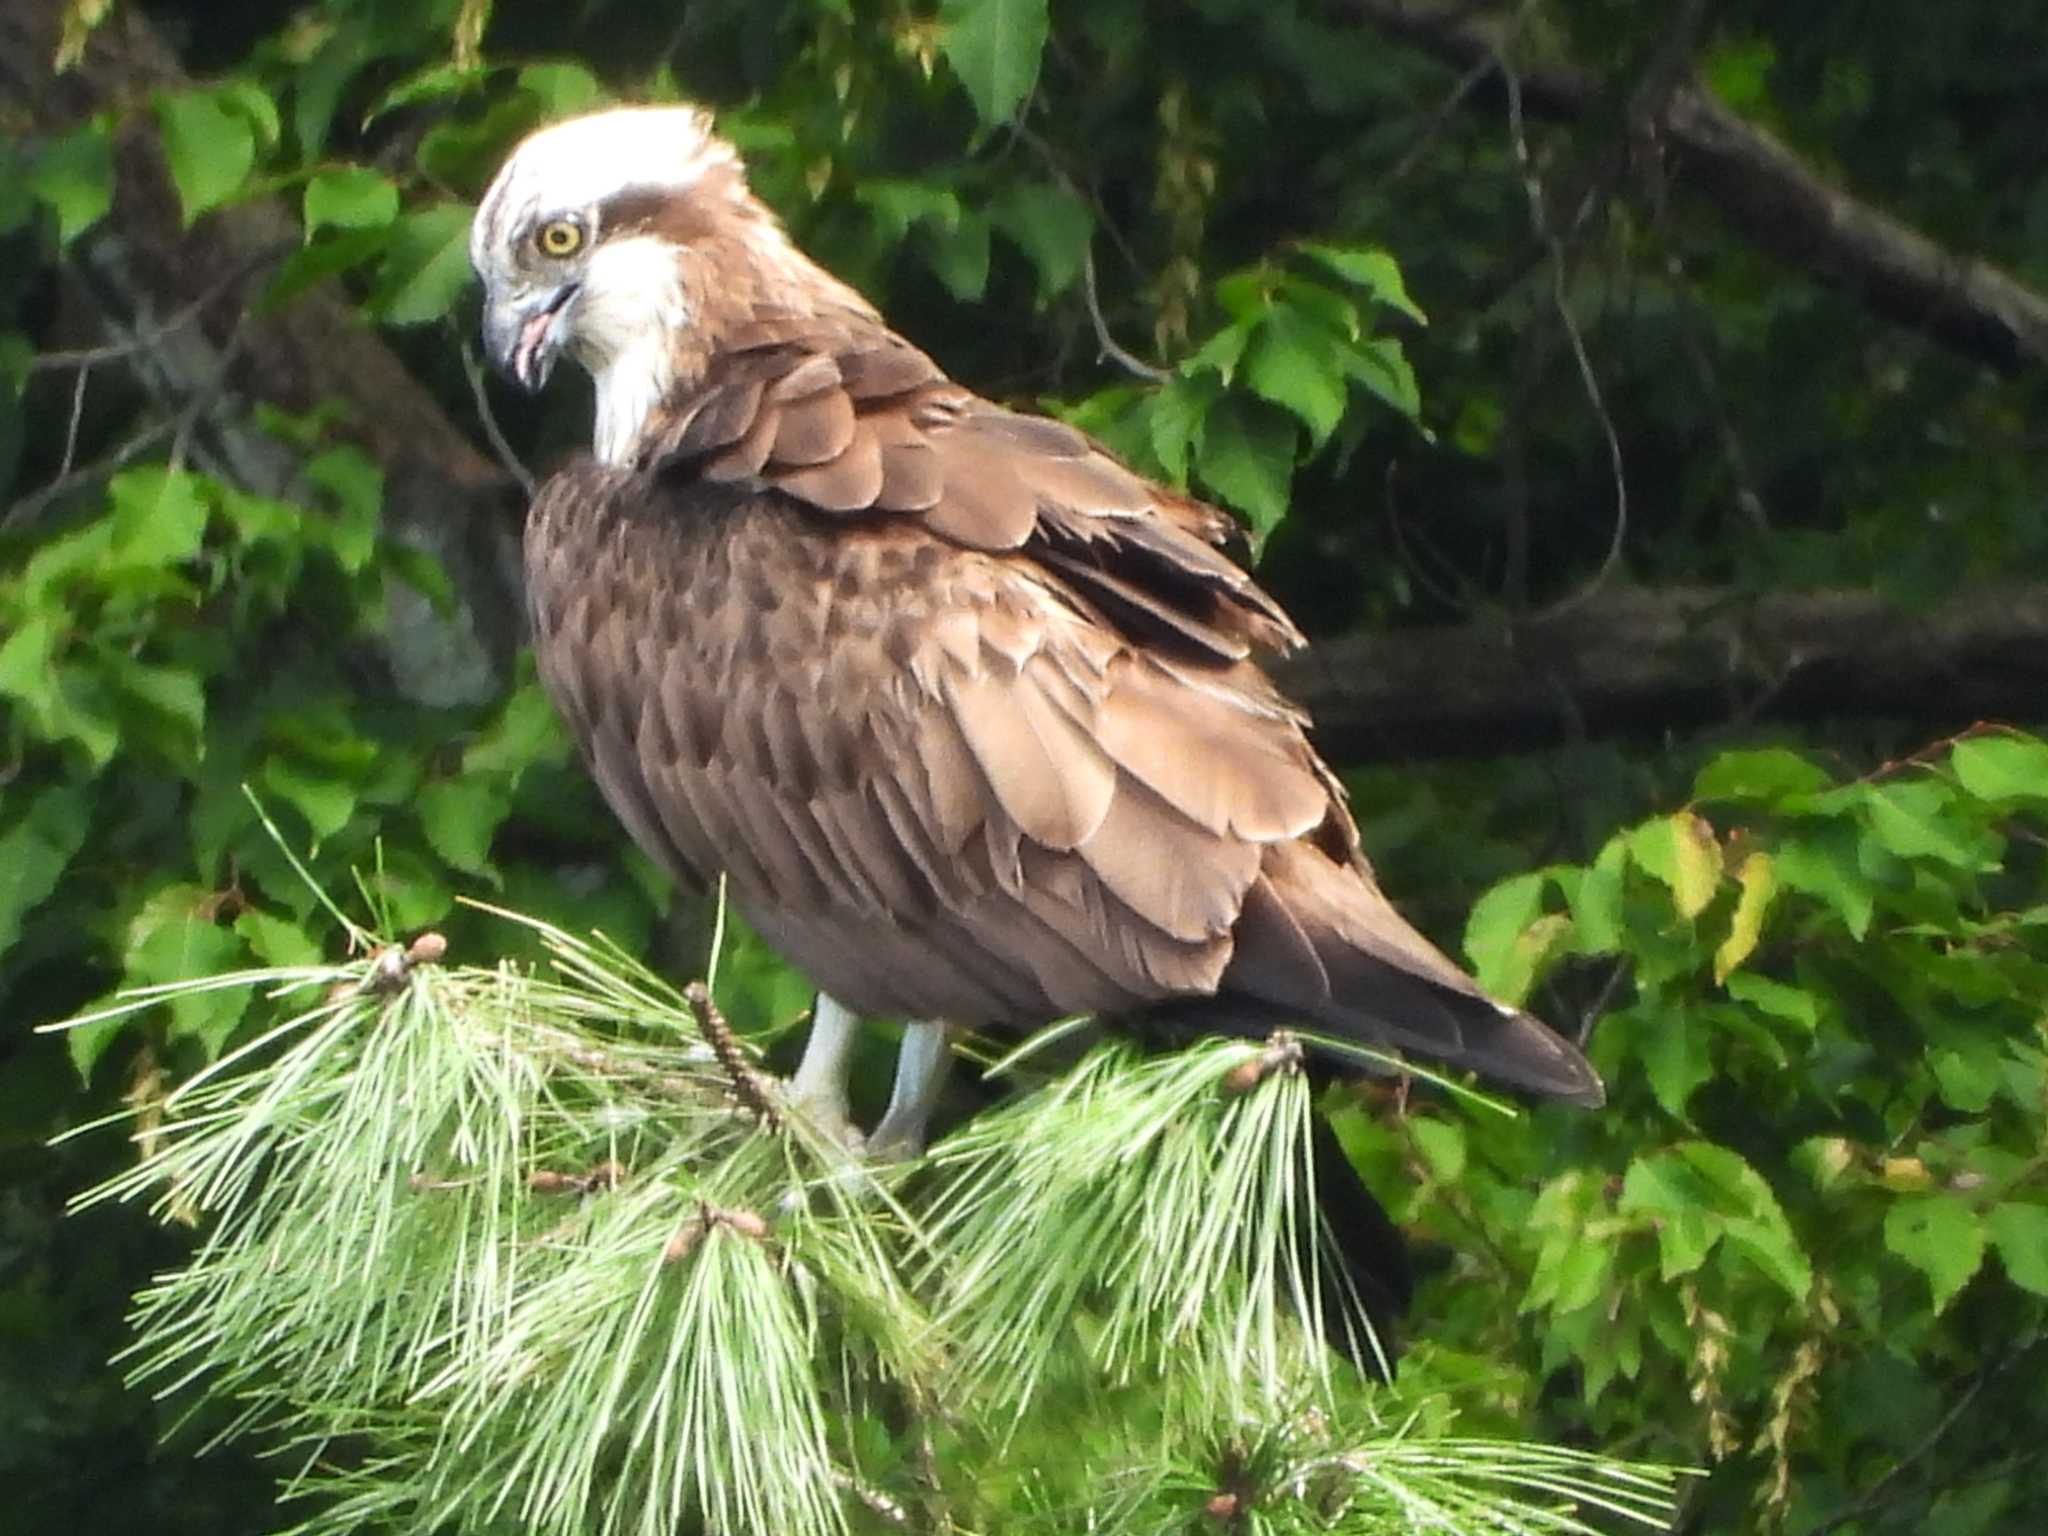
[1768,192]
[1634,660]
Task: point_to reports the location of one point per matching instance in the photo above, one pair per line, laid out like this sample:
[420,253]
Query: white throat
[626,322]
[629,388]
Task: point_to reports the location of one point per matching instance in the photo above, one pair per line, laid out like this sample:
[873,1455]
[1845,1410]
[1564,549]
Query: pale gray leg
[819,1086]
[922,1067]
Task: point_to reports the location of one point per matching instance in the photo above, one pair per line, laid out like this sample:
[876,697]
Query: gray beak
[523,333]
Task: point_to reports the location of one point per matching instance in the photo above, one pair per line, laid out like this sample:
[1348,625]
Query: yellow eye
[559,238]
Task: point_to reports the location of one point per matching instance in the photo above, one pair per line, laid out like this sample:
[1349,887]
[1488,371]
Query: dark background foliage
[1646,569]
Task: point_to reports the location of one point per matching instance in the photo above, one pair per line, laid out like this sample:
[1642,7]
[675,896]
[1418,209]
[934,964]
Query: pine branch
[474,1260]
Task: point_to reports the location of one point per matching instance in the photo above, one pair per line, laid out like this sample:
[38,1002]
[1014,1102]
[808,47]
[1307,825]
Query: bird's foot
[828,1116]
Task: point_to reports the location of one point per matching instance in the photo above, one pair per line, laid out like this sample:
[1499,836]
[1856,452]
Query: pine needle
[485,1249]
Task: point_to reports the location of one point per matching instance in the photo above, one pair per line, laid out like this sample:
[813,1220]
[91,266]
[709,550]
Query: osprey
[966,712]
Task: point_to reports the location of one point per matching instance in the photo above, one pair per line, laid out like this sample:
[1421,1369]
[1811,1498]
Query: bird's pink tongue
[531,335]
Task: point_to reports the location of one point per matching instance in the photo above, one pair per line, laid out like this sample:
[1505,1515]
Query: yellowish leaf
[1905,1174]
[1696,869]
[1759,882]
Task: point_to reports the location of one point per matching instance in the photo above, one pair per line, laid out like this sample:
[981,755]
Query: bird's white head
[584,246]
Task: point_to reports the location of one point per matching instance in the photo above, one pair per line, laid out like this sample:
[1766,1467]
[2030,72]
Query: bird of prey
[966,712]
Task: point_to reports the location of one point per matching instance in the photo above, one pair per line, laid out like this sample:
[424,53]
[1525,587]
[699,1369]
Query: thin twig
[144,337]
[178,427]
[514,465]
[204,400]
[1732,451]
[1539,218]
[71,429]
[873,1498]
[1109,348]
[32,506]
[750,1086]
[1450,598]
[1467,82]
[1597,1009]
[1872,1498]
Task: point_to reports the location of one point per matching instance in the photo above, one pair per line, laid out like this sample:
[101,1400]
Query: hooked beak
[523,334]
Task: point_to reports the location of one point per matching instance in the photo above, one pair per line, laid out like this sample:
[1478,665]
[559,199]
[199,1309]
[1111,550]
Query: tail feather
[1316,942]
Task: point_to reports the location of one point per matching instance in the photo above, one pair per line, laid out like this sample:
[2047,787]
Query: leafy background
[1283,254]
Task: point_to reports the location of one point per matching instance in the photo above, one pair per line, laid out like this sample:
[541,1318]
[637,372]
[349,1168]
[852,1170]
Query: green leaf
[959,256]
[898,205]
[74,176]
[1247,458]
[1221,353]
[1823,865]
[1968,1074]
[35,851]
[757,991]
[250,101]
[563,90]
[60,700]
[174,937]
[1766,776]
[1759,884]
[1442,1145]
[994,47]
[276,940]
[2002,767]
[1680,850]
[1913,820]
[2021,1232]
[1793,1004]
[460,817]
[1507,935]
[173,692]
[526,731]
[355,482]
[1051,226]
[1940,1236]
[1175,416]
[1680,1206]
[1296,366]
[1759,1227]
[322,259]
[436,82]
[1676,1058]
[1383,368]
[326,803]
[408,892]
[160,517]
[1596,900]
[354,197]
[26,669]
[1371,269]
[210,148]
[427,266]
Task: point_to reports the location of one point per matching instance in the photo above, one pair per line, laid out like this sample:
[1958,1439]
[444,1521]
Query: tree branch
[1769,193]
[1637,660]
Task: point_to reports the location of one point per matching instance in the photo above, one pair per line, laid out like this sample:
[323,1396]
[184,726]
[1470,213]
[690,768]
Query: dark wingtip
[1550,1064]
